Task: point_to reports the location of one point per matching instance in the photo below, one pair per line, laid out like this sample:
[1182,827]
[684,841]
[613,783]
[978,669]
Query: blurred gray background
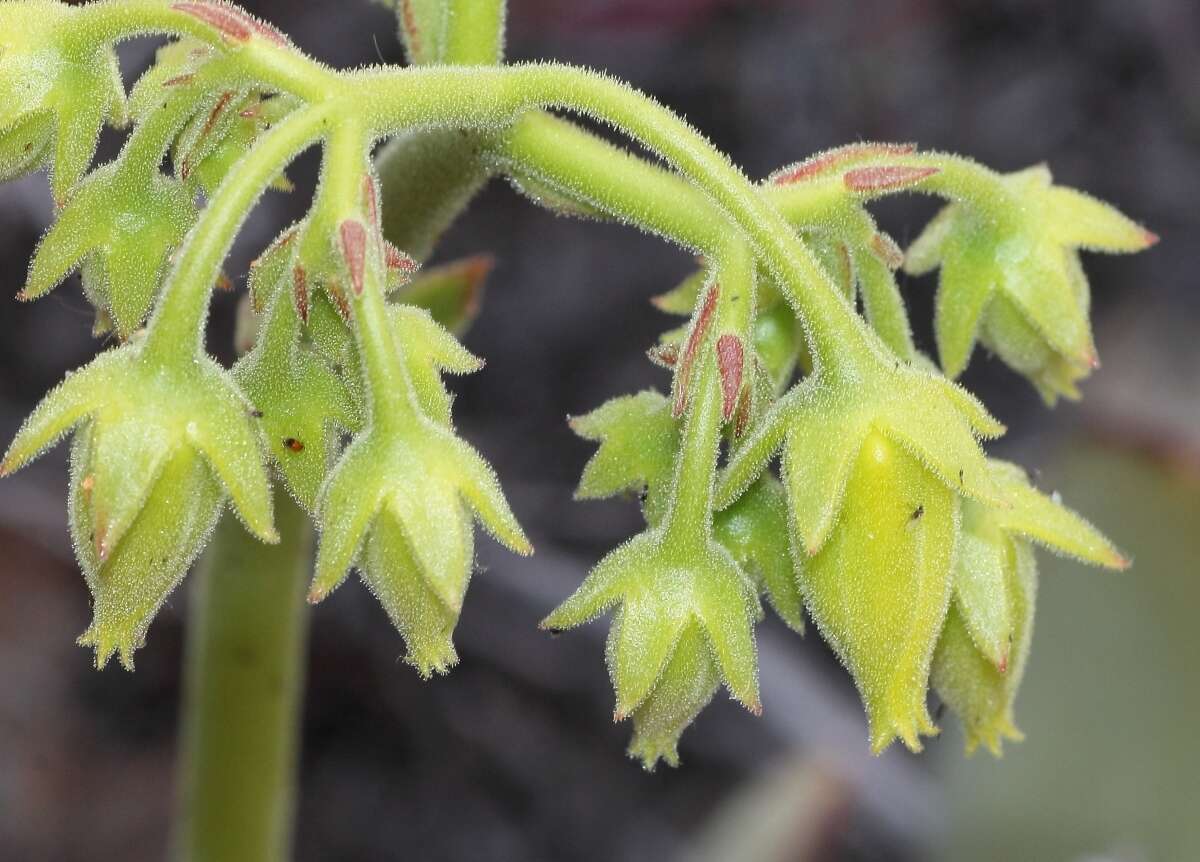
[513,756]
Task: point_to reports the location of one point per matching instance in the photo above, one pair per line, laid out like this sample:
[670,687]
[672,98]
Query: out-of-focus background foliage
[513,756]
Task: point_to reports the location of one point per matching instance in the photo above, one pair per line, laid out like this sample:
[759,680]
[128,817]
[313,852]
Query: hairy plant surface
[885,521]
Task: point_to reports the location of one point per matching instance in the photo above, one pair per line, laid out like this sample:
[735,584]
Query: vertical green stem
[475,32]
[688,520]
[244,672]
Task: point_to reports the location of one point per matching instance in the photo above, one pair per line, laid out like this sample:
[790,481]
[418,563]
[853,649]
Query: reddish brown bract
[729,362]
[300,292]
[398,260]
[885,248]
[824,163]
[683,372]
[354,251]
[370,197]
[232,22]
[881,178]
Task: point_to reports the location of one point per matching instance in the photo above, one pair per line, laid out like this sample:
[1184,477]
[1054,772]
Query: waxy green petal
[684,688]
[879,588]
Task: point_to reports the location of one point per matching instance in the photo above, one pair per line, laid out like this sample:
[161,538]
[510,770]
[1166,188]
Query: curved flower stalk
[686,590]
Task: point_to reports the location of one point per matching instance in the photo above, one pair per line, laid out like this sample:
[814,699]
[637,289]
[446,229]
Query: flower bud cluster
[906,545]
[885,522]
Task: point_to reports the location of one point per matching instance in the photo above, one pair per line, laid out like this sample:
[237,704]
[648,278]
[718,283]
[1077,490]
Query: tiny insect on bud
[664,355]
[293,445]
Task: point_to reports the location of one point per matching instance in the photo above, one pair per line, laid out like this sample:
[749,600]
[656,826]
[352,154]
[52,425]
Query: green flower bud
[1014,282]
[303,405]
[157,445]
[421,486]
[167,515]
[879,587]
[822,427]
[755,531]
[984,646]
[120,227]
[638,440]
[1008,334]
[406,489]
[663,589]
[687,684]
[49,88]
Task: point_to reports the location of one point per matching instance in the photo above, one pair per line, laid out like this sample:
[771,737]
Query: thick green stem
[688,520]
[475,32]
[483,98]
[593,172]
[244,673]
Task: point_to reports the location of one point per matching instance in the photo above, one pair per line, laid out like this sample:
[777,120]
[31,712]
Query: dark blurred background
[513,756]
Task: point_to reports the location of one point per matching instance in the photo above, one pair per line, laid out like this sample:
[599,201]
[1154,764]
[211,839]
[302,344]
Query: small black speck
[256,413]
[918,512]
